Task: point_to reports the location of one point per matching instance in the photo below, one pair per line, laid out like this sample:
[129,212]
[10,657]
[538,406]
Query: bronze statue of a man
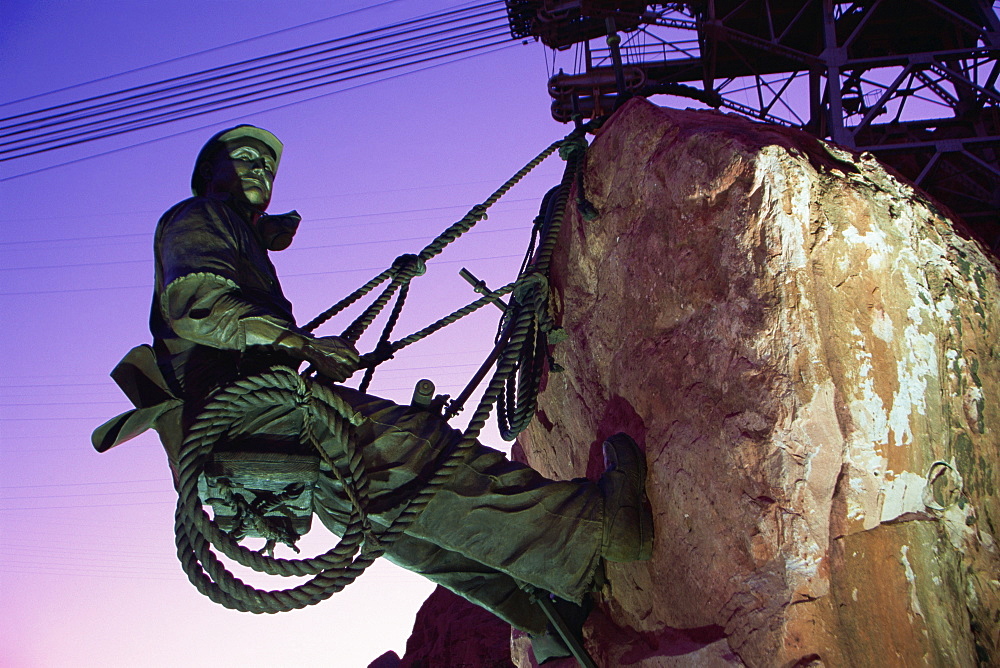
[218,313]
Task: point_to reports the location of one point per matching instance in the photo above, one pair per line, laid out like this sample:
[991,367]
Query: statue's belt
[140,378]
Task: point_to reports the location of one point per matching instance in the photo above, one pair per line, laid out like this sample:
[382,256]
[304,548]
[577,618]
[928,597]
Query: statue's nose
[260,170]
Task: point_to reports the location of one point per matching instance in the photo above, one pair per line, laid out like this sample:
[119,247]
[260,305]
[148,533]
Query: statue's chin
[256,199]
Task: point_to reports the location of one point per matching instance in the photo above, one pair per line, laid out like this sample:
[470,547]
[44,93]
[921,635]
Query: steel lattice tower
[911,81]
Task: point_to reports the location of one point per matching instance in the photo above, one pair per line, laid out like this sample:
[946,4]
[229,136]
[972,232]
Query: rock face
[450,631]
[810,357]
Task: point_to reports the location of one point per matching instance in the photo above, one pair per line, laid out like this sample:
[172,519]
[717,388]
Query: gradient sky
[89,576]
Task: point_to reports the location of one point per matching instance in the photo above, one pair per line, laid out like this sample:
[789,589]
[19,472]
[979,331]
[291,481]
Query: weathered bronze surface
[219,313]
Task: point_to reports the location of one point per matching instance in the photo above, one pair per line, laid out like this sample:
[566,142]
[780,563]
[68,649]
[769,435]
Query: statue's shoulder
[198,215]
[198,206]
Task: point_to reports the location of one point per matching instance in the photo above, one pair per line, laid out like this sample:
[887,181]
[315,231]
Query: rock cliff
[810,356]
[450,632]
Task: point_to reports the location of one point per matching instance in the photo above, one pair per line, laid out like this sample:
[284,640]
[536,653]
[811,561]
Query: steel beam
[944,49]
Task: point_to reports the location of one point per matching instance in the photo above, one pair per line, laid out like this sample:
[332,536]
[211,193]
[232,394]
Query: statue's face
[244,169]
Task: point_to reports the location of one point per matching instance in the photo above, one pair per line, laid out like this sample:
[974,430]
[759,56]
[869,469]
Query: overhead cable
[190,130]
[143,68]
[236,97]
[365,54]
[254,64]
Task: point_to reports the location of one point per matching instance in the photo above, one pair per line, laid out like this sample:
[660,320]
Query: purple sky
[89,576]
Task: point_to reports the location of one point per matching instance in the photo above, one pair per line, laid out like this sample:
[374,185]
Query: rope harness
[329,423]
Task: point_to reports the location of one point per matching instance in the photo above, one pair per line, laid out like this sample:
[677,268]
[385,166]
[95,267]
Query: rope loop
[303,395]
[574,146]
[478,212]
[529,286]
[196,534]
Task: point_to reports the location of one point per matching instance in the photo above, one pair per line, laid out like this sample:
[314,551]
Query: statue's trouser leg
[490,589]
[491,511]
[486,587]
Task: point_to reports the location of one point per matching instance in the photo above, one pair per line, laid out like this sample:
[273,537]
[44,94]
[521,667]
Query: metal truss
[912,81]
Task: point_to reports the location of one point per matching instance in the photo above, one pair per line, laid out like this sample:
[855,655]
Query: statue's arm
[203,302]
[211,310]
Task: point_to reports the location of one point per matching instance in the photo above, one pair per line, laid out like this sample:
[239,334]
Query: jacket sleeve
[201,300]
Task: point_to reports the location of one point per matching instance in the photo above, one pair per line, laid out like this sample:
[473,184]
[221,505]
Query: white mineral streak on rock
[779,178]
[903,497]
[811,435]
[882,326]
[815,435]
[911,578]
[917,364]
[866,464]
[874,241]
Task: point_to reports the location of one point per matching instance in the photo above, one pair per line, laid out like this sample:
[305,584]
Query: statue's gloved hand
[332,356]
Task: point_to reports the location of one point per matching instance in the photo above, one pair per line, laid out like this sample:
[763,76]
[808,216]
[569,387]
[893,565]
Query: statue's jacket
[212,278]
[495,523]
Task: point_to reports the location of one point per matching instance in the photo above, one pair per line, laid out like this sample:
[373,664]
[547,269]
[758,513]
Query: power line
[236,118]
[419,45]
[231,102]
[109,386]
[449,354]
[373,214]
[105,385]
[88,494]
[79,573]
[196,53]
[97,564]
[59,403]
[157,212]
[58,385]
[386,372]
[82,484]
[118,97]
[377,242]
[142,119]
[49,551]
[299,275]
[91,505]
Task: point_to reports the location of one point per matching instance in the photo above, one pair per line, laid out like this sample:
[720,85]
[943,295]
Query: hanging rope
[517,405]
[328,422]
[195,533]
[457,229]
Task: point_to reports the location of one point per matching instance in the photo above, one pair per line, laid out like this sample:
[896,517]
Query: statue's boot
[628,534]
[628,518]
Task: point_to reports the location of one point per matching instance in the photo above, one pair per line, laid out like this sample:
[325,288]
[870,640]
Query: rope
[383,341]
[572,149]
[279,386]
[328,422]
[453,232]
[196,533]
[348,300]
[519,402]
